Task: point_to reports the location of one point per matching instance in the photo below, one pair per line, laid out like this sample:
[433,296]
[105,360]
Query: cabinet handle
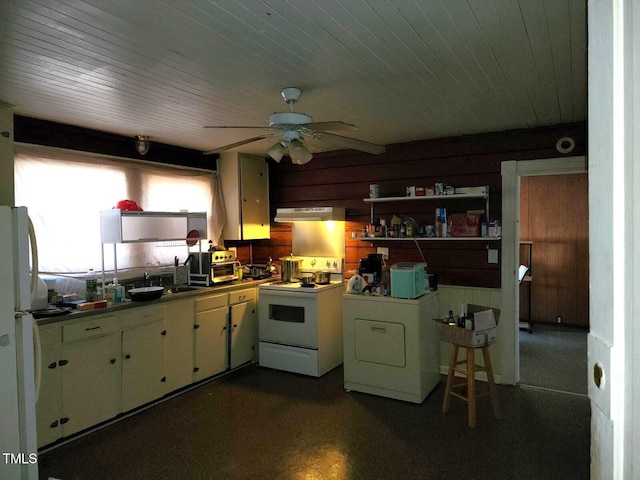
[379,329]
[127,356]
[253,311]
[64,420]
[54,424]
[163,379]
[52,365]
[242,297]
[92,328]
[196,326]
[112,361]
[164,333]
[62,363]
[235,326]
[195,369]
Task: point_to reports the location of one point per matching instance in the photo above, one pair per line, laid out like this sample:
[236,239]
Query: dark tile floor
[258,423]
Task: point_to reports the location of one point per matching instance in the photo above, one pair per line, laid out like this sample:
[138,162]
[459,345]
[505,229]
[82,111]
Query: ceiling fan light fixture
[142,144]
[277,151]
[299,153]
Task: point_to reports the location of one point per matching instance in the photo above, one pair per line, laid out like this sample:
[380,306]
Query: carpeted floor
[554,357]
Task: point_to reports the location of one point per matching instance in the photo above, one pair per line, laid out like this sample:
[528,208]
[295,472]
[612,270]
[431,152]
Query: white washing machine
[391,346]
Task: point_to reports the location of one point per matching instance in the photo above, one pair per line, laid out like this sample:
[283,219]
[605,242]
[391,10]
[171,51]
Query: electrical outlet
[492,256]
[384,251]
[558,319]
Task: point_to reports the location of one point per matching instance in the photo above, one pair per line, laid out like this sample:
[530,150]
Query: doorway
[512,173]
[554,298]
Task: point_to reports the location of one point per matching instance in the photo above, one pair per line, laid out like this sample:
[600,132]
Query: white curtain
[66,190]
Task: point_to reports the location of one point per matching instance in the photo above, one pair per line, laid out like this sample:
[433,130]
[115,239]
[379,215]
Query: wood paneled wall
[342,179]
[554,215]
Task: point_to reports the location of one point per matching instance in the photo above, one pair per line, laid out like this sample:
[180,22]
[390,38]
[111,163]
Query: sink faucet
[146,282]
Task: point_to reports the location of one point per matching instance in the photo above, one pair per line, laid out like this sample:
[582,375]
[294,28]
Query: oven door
[223,272]
[288,318]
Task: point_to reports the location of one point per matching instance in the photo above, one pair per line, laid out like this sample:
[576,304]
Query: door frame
[512,171]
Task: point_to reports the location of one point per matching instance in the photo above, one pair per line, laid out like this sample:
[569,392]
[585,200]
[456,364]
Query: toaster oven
[214,267]
[409,280]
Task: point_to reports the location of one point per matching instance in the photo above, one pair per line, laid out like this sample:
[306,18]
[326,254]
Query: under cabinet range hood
[312,214]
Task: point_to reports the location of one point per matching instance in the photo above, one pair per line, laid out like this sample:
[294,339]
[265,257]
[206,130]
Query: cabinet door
[255,198]
[243,333]
[49,405]
[90,382]
[178,357]
[143,378]
[211,343]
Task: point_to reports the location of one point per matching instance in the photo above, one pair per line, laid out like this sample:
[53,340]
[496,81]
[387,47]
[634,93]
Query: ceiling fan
[294,127]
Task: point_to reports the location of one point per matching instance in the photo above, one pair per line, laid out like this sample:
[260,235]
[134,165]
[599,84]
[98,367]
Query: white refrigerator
[18,344]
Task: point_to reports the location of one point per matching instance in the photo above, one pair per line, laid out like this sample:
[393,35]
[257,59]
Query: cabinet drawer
[209,303]
[50,336]
[242,296]
[140,316]
[90,328]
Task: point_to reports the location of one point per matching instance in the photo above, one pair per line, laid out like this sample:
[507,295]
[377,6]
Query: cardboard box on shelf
[485,333]
[465,224]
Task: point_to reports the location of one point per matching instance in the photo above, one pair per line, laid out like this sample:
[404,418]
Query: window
[65,192]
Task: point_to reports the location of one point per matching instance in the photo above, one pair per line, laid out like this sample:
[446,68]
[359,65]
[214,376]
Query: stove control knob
[328,264]
[313,262]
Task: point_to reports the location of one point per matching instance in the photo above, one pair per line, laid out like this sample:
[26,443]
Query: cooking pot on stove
[306,280]
[290,268]
[321,278]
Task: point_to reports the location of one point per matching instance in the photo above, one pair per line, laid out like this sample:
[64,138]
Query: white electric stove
[300,327]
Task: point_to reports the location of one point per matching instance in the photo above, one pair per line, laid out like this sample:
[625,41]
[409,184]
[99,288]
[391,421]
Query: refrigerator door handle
[34,258]
[37,358]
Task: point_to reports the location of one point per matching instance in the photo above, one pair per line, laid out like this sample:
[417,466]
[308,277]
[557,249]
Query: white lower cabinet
[143,376]
[49,405]
[243,324]
[143,337]
[178,353]
[100,366]
[90,382]
[210,336]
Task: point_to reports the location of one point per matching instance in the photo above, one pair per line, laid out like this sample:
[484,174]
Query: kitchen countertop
[167,297]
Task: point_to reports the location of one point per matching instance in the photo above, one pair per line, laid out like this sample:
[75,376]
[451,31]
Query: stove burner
[308,285]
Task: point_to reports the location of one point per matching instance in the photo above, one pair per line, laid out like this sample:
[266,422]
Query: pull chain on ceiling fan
[294,128]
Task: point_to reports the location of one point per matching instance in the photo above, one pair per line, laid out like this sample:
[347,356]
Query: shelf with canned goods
[467,234]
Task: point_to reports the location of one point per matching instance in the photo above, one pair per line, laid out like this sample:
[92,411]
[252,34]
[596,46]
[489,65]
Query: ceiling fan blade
[335,125]
[347,142]
[237,144]
[233,126]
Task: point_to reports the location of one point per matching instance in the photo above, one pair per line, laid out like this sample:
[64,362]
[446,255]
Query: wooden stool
[469,371]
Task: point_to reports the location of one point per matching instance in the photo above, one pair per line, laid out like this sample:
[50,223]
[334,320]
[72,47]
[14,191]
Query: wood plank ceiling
[401,70]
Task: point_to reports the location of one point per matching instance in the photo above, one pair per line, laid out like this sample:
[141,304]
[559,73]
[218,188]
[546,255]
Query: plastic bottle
[110,294]
[115,292]
[91,284]
[395,225]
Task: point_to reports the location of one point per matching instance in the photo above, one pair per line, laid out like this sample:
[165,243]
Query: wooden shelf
[425,197]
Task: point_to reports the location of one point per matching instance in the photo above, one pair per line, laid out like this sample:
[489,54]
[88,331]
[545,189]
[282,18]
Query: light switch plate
[384,251]
[492,255]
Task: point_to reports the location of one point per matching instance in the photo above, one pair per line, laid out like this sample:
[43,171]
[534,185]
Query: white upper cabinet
[118,226]
[245,186]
